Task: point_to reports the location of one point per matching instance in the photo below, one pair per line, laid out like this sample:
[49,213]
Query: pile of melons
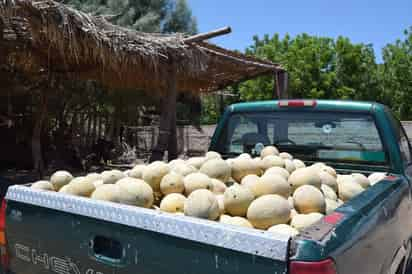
[273,192]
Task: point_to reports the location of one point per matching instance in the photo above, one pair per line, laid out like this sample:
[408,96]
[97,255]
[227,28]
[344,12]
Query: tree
[181,19]
[396,74]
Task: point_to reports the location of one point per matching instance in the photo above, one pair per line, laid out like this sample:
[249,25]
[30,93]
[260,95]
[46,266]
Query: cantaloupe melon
[289,165]
[221,202]
[361,179]
[202,203]
[183,169]
[283,229]
[196,181]
[106,192]
[278,170]
[268,210]
[196,162]
[213,155]
[269,150]
[94,177]
[60,178]
[331,205]
[271,161]
[237,221]
[329,180]
[304,176]
[298,163]
[329,170]
[137,171]
[302,221]
[237,199]
[80,187]
[224,218]
[43,185]
[176,162]
[328,192]
[154,174]
[112,176]
[271,184]
[97,183]
[285,155]
[347,189]
[376,177]
[244,156]
[172,183]
[242,167]
[308,199]
[217,168]
[135,192]
[218,186]
[172,203]
[249,180]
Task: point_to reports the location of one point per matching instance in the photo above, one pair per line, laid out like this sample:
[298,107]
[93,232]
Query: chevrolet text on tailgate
[370,232]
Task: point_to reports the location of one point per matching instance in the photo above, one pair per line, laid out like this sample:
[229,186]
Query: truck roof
[321,105]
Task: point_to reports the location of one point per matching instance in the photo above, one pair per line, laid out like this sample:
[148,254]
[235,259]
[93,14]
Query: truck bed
[68,234]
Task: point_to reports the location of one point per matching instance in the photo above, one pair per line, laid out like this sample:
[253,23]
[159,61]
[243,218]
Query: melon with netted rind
[196,181]
[285,155]
[202,203]
[217,168]
[106,192]
[242,167]
[269,150]
[218,186]
[172,183]
[237,221]
[278,170]
[298,163]
[329,170]
[249,180]
[272,161]
[271,184]
[172,203]
[329,180]
[43,185]
[221,202]
[289,165]
[308,199]
[196,162]
[328,192]
[304,176]
[268,210]
[244,156]
[361,179]
[112,176]
[98,183]
[376,177]
[175,162]
[137,171]
[224,218]
[237,199]
[94,176]
[348,189]
[154,174]
[135,192]
[80,186]
[283,229]
[302,221]
[60,178]
[183,169]
[331,205]
[213,155]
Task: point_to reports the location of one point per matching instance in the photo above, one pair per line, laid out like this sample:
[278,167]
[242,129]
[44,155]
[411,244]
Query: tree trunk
[94,128]
[89,129]
[167,130]
[36,148]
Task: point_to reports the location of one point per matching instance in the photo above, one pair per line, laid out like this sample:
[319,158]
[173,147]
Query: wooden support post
[281,85]
[36,145]
[167,139]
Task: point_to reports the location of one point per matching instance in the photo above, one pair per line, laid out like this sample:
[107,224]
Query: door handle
[107,250]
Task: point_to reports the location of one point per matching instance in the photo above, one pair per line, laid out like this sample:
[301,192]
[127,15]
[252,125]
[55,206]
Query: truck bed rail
[259,243]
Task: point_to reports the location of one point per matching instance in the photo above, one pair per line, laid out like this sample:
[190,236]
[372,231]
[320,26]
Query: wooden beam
[207,35]
[281,85]
[167,129]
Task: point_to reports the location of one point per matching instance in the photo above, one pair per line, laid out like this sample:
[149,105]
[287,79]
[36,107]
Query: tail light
[297,103]
[4,255]
[322,267]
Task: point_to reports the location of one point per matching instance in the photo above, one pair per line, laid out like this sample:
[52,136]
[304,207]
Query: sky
[364,21]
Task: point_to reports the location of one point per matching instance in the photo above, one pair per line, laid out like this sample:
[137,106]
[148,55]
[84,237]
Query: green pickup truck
[45,232]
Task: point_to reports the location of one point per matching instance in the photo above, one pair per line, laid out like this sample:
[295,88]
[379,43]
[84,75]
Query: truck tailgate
[53,233]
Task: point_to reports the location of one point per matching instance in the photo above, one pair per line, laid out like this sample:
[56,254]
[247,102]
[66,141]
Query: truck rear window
[311,136]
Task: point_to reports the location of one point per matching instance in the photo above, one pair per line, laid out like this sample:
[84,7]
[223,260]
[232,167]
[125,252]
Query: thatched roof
[39,38]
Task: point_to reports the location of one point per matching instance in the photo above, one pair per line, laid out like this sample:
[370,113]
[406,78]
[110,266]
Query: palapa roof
[41,38]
